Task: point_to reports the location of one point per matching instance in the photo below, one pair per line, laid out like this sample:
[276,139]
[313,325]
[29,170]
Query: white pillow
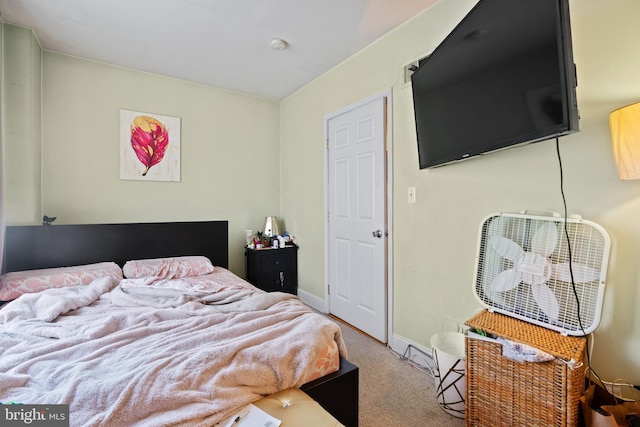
[168,268]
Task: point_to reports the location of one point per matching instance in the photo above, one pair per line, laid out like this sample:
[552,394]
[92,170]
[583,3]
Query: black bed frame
[47,246]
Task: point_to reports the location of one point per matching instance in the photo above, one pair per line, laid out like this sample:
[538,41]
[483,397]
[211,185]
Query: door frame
[389,205]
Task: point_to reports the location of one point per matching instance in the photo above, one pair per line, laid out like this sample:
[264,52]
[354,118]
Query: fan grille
[580,303]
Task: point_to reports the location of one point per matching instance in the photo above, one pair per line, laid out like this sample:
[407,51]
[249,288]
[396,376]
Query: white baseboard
[413,352]
[399,344]
[313,301]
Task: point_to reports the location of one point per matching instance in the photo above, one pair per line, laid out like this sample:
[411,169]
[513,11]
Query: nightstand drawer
[276,260]
[280,281]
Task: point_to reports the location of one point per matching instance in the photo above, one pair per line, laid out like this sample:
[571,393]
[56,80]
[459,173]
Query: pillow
[168,268]
[16,283]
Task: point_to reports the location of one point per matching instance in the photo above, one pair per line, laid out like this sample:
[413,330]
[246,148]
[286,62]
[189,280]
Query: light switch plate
[411,195]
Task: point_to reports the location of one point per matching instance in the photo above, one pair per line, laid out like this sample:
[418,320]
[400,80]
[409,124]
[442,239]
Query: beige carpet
[393,393]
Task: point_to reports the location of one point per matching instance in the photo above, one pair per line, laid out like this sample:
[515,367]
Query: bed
[178,339]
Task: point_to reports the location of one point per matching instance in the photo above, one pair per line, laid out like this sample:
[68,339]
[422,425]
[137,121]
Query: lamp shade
[625,140]
[270,228]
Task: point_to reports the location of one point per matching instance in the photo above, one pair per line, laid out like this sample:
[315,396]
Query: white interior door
[357,220]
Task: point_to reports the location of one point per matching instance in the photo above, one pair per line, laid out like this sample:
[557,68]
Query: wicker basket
[502,392]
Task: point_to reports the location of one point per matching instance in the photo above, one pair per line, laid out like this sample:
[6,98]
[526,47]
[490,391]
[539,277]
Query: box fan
[526,269]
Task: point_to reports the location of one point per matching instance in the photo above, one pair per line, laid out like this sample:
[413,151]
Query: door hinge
[328,216]
[327,144]
[328,289]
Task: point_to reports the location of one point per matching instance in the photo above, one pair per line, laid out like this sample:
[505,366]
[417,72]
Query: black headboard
[46,246]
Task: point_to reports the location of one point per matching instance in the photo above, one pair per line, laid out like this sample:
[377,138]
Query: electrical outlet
[452,325]
[411,195]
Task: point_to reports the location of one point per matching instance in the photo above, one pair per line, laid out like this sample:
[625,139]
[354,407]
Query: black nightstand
[273,269]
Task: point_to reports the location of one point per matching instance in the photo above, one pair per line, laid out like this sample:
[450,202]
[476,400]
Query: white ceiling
[214,42]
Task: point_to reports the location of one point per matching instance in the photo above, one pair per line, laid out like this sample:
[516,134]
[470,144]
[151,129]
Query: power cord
[573,284]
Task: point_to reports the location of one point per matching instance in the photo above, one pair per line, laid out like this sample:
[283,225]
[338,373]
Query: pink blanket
[130,354]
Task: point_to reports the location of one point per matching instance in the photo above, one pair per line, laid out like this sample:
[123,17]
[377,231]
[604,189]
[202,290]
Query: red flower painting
[149,139]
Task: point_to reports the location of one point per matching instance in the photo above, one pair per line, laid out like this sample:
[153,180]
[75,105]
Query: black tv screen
[503,77]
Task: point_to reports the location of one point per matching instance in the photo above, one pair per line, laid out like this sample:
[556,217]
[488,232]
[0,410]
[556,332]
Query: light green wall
[229,147]
[21,126]
[2,108]
[435,240]
[229,150]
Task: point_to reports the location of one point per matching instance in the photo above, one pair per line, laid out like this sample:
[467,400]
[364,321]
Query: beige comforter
[139,353]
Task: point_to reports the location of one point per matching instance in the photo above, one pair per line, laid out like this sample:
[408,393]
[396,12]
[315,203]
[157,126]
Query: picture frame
[150,147]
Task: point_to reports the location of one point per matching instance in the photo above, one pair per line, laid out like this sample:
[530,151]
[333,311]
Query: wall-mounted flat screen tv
[503,77]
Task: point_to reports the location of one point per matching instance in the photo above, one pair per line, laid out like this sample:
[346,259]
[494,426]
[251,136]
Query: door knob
[377,233]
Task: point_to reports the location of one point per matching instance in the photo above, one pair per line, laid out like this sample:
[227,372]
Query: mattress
[160,352]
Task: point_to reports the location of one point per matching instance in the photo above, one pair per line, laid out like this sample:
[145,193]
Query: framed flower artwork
[149,147]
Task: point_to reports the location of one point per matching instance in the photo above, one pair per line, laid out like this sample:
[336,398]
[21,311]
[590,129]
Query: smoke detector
[278,44]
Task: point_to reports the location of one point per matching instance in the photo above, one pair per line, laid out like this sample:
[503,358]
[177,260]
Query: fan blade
[581,273]
[545,240]
[507,248]
[546,301]
[506,281]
